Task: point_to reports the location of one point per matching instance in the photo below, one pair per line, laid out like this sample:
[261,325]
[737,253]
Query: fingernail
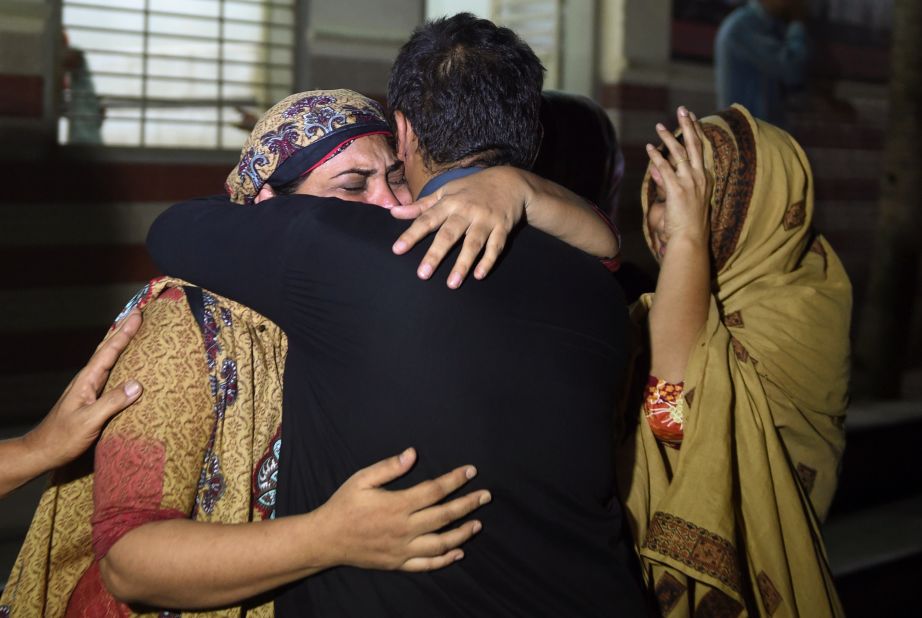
[132,388]
[459,556]
[479,274]
[404,456]
[650,147]
[485,498]
[683,111]
[400,246]
[425,271]
[660,126]
[454,281]
[470,472]
[477,527]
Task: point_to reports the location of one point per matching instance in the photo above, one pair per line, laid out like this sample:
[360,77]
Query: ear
[265,193]
[406,136]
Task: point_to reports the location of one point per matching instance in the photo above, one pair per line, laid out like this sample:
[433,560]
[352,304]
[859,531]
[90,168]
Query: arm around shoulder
[234,250]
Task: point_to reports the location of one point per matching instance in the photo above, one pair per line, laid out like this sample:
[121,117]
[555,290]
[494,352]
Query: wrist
[37,452]
[527,189]
[688,244]
[318,540]
[25,460]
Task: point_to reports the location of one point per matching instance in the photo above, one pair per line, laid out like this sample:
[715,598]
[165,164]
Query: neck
[417,176]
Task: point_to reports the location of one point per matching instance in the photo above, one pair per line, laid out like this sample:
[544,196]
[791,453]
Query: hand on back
[374,528]
[482,208]
[77,419]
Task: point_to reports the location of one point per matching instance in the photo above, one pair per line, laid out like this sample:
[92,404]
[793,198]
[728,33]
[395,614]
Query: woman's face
[366,171]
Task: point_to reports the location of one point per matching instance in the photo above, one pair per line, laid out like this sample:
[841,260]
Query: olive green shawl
[729,524]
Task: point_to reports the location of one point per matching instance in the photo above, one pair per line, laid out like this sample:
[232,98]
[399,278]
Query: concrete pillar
[640,84]
[634,63]
[29,76]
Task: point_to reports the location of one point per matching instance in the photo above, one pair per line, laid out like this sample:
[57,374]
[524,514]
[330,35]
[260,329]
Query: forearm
[680,307]
[160,563]
[21,463]
[559,212]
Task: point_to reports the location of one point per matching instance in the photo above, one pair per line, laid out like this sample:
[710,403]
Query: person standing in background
[760,55]
[82,106]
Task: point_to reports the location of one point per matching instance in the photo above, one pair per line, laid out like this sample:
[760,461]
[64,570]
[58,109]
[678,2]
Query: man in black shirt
[514,373]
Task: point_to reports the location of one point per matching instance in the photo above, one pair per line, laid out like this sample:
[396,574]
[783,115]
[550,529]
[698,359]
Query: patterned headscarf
[298,134]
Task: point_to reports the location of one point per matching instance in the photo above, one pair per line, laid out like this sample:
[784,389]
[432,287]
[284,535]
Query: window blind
[172,73]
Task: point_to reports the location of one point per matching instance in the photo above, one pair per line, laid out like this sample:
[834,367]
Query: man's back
[515,374]
[756,58]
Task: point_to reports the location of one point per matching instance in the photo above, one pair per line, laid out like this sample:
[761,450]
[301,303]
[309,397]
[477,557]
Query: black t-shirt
[515,374]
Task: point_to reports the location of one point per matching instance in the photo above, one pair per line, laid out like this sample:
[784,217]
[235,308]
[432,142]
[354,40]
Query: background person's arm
[76,420]
[485,207]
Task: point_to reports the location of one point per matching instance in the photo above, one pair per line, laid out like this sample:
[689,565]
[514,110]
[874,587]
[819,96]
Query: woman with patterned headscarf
[735,456]
[293,146]
[178,508]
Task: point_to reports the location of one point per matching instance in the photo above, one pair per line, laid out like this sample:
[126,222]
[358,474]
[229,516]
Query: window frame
[55,107]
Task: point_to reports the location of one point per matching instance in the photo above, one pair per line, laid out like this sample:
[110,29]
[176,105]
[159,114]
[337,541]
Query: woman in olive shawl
[734,461]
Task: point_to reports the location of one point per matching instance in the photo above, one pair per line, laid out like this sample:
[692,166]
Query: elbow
[118,581]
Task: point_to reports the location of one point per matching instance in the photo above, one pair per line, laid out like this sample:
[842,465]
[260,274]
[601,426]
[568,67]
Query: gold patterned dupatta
[211,413]
[728,525]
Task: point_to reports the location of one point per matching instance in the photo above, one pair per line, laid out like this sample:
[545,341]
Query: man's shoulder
[544,246]
[741,21]
[536,255]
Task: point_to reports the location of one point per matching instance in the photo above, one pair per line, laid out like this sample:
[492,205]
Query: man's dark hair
[469,88]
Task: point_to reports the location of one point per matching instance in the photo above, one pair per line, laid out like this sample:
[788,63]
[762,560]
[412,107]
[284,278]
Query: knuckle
[425,221]
[429,492]
[443,519]
[428,564]
[462,265]
[438,248]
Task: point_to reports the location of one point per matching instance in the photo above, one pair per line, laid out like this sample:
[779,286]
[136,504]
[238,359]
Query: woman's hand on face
[76,420]
[374,528]
[483,208]
[688,185]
